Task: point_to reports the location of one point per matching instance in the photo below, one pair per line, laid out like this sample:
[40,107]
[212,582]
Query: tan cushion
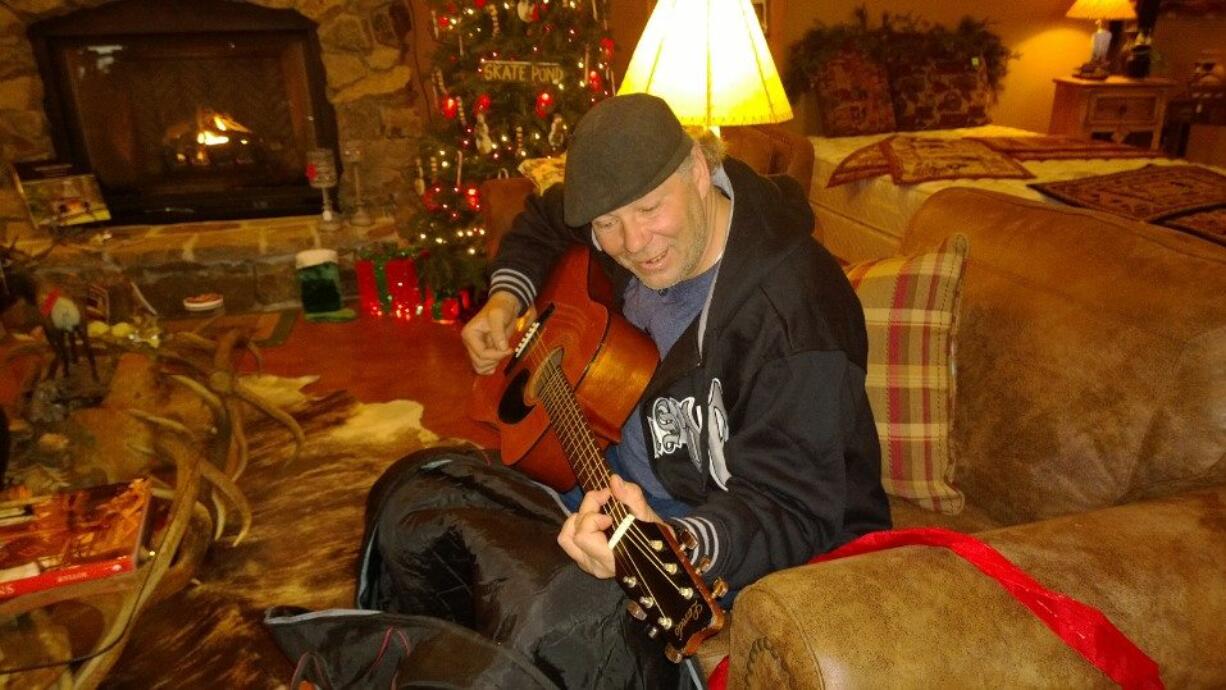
[544,172]
[910,311]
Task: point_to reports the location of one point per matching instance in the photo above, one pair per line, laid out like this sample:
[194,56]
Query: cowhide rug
[302,549]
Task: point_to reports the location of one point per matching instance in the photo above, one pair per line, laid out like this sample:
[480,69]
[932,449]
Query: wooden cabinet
[1115,109]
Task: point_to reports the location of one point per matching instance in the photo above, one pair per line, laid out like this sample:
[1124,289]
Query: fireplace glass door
[191,125]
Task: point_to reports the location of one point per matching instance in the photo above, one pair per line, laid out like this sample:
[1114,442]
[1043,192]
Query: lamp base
[1094,69]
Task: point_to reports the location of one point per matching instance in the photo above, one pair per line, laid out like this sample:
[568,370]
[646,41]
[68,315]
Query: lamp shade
[708,59]
[1101,9]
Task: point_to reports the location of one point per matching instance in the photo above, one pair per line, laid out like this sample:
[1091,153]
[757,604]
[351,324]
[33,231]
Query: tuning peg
[703,565]
[673,654]
[652,632]
[719,588]
[635,610]
[665,622]
[688,540]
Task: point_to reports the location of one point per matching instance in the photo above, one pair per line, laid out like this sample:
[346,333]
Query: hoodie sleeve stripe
[704,532]
[516,283]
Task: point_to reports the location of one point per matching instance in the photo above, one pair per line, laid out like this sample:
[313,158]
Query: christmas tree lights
[508,80]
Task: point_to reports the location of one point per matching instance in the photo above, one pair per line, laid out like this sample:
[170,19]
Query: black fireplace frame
[128,18]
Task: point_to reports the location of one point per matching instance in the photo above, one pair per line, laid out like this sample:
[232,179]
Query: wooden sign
[511,70]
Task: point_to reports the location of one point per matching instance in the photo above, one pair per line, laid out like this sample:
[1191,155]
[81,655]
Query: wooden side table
[1118,109]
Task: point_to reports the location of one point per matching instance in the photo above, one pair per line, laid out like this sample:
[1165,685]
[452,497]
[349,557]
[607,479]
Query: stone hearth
[250,262]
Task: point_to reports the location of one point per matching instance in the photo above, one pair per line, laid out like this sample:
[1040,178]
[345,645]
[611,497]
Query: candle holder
[321,173]
[351,154]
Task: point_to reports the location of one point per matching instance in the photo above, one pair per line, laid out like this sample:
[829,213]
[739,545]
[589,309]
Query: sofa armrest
[922,617]
[501,200]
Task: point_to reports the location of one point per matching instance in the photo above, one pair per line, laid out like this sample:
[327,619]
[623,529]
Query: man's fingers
[593,501]
[631,495]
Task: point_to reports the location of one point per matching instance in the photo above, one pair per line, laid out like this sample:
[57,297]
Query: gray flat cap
[624,147]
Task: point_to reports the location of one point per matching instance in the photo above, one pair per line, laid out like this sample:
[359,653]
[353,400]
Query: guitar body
[607,361]
[563,395]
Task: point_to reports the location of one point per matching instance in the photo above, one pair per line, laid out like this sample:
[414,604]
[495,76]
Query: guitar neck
[572,429]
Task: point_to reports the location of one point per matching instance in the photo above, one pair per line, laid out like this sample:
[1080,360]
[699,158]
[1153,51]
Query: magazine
[71,537]
[58,194]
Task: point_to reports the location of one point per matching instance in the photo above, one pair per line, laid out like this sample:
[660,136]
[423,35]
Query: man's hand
[582,536]
[485,335]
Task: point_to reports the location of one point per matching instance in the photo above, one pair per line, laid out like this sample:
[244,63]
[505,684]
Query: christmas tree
[508,81]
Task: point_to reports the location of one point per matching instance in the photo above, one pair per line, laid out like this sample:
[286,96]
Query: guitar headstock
[666,592]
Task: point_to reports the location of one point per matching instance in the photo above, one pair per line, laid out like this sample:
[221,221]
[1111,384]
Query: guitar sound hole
[511,408]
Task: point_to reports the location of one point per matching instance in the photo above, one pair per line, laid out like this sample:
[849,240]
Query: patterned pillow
[940,94]
[853,96]
[910,309]
[544,172]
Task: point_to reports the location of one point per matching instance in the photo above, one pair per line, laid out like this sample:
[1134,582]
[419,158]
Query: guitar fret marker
[621,530]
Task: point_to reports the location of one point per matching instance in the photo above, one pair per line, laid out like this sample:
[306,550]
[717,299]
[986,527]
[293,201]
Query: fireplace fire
[210,140]
[188,110]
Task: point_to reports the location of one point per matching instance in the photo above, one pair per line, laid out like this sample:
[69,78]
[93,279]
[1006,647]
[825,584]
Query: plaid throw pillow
[910,310]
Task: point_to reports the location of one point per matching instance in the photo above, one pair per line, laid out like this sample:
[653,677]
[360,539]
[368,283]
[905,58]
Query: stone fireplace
[366,83]
[187,110]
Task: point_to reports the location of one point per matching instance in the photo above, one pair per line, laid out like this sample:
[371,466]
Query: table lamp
[708,59]
[1100,41]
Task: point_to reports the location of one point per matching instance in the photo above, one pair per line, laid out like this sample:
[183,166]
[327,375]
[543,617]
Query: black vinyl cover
[460,556]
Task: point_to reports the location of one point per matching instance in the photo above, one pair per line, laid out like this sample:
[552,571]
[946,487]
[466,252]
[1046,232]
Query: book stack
[71,537]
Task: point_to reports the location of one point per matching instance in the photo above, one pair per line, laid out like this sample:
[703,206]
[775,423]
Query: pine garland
[901,38]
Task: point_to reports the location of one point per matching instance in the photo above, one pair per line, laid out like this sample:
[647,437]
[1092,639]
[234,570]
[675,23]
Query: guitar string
[595,469]
[556,383]
[549,375]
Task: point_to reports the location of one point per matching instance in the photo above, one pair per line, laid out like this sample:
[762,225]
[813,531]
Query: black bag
[367,649]
[466,549]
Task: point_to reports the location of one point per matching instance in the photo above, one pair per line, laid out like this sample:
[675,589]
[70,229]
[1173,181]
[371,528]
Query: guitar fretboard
[570,425]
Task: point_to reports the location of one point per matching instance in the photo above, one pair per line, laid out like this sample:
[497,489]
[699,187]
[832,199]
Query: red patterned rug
[1062,147]
[861,164]
[911,160]
[920,159]
[1184,197]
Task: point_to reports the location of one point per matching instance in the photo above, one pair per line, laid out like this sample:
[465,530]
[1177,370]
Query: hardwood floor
[375,359]
[385,359]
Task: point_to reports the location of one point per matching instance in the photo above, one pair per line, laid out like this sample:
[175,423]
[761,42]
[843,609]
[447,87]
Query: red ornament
[481,104]
[480,4]
[449,310]
[606,48]
[472,197]
[311,172]
[595,82]
[451,107]
[430,198]
[544,104]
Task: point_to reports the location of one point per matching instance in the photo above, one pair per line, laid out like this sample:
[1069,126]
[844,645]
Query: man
[755,433]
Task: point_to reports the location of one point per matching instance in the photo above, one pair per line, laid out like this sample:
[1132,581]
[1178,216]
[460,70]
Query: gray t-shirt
[664,315]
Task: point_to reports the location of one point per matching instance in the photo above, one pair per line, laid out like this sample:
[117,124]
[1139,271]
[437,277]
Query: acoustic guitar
[575,376]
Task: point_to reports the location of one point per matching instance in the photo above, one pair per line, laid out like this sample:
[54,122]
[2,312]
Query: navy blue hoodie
[758,416]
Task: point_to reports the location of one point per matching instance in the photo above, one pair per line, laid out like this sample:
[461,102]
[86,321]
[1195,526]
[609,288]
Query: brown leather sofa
[1090,436]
